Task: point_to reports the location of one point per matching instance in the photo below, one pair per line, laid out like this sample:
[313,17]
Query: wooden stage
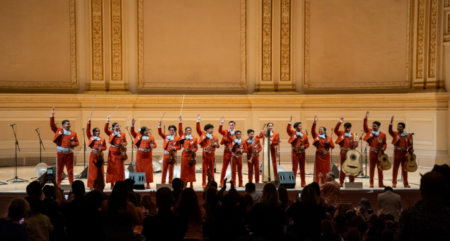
[409,195]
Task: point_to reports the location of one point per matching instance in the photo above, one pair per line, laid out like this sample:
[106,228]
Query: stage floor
[28,172]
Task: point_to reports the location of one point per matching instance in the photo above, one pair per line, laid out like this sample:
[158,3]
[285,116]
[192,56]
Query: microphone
[36,129]
[82,129]
[11,124]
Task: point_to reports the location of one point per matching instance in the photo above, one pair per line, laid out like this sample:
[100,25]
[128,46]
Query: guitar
[383,160]
[411,164]
[352,165]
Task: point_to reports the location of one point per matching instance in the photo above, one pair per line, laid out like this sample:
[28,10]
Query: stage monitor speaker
[158,186]
[259,186]
[286,179]
[334,170]
[41,178]
[139,179]
[353,185]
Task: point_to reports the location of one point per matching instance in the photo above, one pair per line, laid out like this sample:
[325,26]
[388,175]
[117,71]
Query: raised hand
[198,117]
[320,174]
[180,119]
[290,119]
[341,120]
[315,119]
[222,119]
[133,121]
[392,119]
[107,119]
[53,111]
[367,115]
[159,123]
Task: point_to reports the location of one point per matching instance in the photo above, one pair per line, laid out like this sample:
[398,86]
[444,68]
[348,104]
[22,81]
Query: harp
[267,166]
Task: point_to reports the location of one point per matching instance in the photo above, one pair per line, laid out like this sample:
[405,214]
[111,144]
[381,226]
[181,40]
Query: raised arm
[198,128]
[161,134]
[180,127]
[313,128]
[88,129]
[288,129]
[366,128]
[133,132]
[221,131]
[52,121]
[391,132]
[107,131]
[336,129]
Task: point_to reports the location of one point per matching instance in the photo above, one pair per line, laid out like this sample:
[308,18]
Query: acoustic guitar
[352,165]
[383,160]
[411,164]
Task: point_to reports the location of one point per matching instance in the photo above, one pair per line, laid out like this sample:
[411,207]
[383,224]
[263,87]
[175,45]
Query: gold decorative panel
[351,44]
[97,39]
[267,40]
[432,39]
[197,44]
[116,39]
[30,31]
[285,43]
[420,39]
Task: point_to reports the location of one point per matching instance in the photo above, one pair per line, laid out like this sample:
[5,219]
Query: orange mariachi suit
[298,158]
[226,141]
[274,139]
[187,171]
[254,164]
[346,144]
[374,147]
[144,155]
[237,151]
[115,170]
[93,157]
[208,157]
[64,154]
[322,162]
[401,147]
[165,165]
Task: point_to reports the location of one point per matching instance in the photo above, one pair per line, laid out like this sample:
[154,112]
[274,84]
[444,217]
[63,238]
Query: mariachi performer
[97,145]
[115,170]
[145,143]
[189,144]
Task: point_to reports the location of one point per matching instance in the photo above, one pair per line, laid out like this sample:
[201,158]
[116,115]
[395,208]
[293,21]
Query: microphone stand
[84,173]
[41,145]
[16,179]
[365,156]
[132,145]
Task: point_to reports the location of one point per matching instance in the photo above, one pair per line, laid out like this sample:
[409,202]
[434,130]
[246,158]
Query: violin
[123,151]
[192,161]
[172,157]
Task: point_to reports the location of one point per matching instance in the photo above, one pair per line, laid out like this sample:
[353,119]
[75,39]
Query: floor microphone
[11,124]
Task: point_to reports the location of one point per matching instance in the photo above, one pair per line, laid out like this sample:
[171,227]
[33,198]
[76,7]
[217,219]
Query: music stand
[16,179]
[364,176]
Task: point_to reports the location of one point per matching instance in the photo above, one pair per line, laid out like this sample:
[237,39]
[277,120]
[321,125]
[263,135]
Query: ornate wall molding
[285,41]
[344,85]
[97,39]
[420,39]
[266,43]
[116,40]
[432,45]
[242,85]
[73,84]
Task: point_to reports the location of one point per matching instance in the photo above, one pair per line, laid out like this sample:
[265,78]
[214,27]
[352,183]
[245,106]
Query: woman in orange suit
[323,144]
[145,145]
[188,144]
[97,145]
[115,170]
[274,140]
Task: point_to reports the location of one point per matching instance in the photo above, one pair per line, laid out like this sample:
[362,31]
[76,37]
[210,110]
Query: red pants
[92,170]
[236,162]
[115,170]
[166,166]
[322,165]
[61,161]
[399,159]
[253,166]
[207,163]
[298,160]
[226,162]
[187,171]
[342,174]
[373,165]
[144,163]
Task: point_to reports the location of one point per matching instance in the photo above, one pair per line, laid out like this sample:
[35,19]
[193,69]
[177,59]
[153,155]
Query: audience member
[429,219]
[444,170]
[316,188]
[390,203]
[353,234]
[284,197]
[177,186]
[130,182]
[189,209]
[330,189]
[250,188]
[10,227]
[364,209]
[307,215]
[148,206]
[38,225]
[164,225]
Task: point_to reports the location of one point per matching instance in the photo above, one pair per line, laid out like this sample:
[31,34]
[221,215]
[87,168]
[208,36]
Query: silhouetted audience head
[388,189]
[284,196]
[316,188]
[177,183]
[432,186]
[188,206]
[119,197]
[309,196]
[49,191]
[34,189]
[250,187]
[93,199]
[17,209]
[35,204]
[164,198]
[78,189]
[130,183]
[270,195]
